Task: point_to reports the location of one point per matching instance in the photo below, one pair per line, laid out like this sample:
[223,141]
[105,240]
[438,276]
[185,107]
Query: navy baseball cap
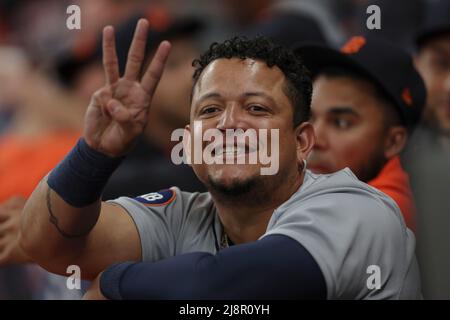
[437,22]
[162,27]
[389,68]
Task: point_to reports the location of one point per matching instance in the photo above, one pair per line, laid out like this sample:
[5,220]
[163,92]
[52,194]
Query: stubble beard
[253,191]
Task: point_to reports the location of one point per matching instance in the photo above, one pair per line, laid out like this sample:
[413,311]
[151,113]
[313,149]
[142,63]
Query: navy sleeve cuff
[110,280]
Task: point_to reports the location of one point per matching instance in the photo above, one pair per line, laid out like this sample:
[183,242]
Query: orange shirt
[24,162]
[394,181]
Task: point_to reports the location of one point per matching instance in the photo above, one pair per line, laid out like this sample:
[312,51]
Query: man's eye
[209,110]
[342,123]
[257,108]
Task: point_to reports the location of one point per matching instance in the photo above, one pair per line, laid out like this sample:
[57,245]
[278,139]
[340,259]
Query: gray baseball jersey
[355,233]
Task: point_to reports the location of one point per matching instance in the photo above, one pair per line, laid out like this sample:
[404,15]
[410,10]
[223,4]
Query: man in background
[367,99]
[428,154]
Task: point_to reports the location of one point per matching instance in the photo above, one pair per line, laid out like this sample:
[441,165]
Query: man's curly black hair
[298,85]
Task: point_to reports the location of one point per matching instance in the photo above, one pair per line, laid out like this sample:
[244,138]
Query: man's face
[244,94]
[349,127]
[433,63]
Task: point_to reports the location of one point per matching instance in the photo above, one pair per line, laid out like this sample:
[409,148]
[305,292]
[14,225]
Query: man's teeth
[231,151]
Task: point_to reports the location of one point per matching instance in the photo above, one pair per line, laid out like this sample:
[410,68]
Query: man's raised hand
[118,112]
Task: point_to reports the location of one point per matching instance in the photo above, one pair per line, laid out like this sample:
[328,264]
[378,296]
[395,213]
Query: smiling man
[290,235]
[367,99]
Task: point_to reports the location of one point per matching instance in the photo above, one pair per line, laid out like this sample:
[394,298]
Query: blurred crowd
[48,74]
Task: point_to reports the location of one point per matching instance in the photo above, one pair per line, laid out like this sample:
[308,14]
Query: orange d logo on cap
[353,45]
[406,96]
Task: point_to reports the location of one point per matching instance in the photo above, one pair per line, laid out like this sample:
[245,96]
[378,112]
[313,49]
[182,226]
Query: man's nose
[232,118]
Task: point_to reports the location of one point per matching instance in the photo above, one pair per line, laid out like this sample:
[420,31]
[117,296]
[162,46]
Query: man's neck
[246,223]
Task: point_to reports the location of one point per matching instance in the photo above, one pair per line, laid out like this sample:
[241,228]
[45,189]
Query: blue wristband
[81,177]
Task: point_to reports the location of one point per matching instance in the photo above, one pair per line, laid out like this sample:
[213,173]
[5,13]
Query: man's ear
[187,144]
[305,141]
[395,141]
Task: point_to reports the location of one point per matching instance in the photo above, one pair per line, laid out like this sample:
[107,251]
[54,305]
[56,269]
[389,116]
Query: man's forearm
[66,205]
[75,222]
[276,267]
[54,230]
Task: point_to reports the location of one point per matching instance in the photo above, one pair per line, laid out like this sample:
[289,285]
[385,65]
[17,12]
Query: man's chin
[231,186]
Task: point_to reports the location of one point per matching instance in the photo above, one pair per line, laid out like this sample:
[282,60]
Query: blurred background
[48,73]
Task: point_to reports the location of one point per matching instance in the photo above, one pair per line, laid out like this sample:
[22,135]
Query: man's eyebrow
[258,94]
[340,110]
[209,95]
[244,95]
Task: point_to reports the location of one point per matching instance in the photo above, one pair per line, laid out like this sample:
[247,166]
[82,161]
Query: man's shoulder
[341,194]
[347,226]
[342,183]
